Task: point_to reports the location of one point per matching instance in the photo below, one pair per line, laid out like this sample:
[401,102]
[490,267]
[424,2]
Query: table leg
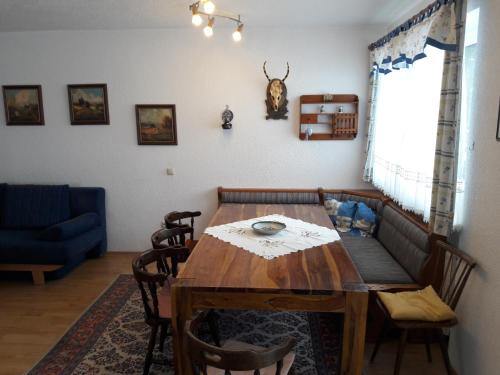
[353,347]
[181,312]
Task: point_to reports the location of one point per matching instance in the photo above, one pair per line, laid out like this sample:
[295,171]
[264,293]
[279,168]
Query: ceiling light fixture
[208,7]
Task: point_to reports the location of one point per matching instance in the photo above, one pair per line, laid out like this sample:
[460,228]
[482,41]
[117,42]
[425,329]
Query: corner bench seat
[399,255]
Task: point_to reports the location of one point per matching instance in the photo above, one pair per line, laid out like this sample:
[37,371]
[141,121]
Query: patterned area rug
[111,337]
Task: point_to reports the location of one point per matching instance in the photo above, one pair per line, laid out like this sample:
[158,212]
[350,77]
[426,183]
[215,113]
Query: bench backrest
[269,196]
[407,242]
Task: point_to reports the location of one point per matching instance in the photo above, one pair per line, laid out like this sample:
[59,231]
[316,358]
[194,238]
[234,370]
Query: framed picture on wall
[88,104]
[23,105]
[156,124]
[498,121]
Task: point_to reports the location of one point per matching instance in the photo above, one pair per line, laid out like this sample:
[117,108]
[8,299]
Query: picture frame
[23,105]
[498,121]
[88,104]
[156,124]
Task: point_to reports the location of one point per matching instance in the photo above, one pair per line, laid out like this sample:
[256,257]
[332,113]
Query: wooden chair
[155,292]
[171,237]
[184,219]
[457,267]
[247,359]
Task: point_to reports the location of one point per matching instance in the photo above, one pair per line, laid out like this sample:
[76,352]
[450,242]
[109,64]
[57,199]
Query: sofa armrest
[70,228]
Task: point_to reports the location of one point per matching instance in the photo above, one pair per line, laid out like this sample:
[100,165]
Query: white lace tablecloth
[298,235]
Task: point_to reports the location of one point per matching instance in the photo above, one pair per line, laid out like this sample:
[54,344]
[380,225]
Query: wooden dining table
[218,275]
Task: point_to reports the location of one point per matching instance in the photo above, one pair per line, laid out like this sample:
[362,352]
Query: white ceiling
[18,15]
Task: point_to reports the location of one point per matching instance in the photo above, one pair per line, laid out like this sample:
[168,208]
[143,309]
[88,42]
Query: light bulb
[208,7]
[237,33]
[197,20]
[209,30]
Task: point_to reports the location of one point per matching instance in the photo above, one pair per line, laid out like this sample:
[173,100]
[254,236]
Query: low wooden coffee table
[219,275]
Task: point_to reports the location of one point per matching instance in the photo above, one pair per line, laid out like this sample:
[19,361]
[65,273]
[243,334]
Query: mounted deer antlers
[286,75]
[276,95]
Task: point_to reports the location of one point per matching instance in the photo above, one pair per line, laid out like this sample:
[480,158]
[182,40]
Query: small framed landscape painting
[498,122]
[156,124]
[23,105]
[88,104]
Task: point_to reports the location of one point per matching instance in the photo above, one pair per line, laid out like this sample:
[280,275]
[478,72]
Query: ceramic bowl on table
[268,227]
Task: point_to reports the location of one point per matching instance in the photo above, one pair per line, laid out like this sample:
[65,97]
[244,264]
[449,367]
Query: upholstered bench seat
[373,261]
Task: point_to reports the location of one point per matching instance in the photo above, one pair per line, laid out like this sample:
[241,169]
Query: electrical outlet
[170,171]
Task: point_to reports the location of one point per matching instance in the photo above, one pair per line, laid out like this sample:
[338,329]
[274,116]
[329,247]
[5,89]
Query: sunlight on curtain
[468,93]
[405,141]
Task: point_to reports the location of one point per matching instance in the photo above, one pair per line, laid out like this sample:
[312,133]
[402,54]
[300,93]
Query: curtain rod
[415,20]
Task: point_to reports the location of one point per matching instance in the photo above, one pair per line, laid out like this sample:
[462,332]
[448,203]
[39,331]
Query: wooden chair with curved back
[183,219]
[456,268]
[155,271]
[245,359]
[171,237]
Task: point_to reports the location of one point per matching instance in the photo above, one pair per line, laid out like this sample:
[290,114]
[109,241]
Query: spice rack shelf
[331,124]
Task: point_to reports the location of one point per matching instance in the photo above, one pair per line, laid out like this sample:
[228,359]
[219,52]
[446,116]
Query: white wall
[474,345]
[200,76]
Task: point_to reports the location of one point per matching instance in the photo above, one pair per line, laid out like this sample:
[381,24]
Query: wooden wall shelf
[335,125]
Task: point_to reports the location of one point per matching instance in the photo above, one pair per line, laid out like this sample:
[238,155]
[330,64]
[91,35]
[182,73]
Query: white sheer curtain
[404,142]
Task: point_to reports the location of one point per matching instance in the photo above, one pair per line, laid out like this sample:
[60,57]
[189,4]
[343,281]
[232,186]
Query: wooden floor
[33,318]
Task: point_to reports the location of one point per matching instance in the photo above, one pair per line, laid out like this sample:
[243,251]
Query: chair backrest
[169,237]
[150,282]
[203,354]
[457,267]
[164,238]
[177,219]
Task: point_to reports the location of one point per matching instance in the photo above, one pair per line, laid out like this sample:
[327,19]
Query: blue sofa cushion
[70,228]
[23,246]
[35,206]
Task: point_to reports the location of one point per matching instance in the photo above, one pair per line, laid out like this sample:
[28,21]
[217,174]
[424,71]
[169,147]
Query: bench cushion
[270,197]
[374,263]
[406,242]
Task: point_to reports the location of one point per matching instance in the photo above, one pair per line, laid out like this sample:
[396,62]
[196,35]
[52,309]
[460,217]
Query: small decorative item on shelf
[321,108]
[340,109]
[328,97]
[227,117]
[309,132]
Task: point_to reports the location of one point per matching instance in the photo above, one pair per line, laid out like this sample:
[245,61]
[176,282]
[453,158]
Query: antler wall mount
[276,92]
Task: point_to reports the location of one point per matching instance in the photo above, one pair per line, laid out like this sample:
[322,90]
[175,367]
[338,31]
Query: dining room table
[221,275]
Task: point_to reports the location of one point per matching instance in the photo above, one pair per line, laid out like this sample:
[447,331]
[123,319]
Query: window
[404,142]
[468,93]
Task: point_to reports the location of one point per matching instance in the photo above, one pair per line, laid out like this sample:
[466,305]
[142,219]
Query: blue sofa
[50,228]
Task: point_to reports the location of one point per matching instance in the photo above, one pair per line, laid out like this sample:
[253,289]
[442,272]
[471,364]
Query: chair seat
[270,370]
[419,305]
[190,244]
[164,300]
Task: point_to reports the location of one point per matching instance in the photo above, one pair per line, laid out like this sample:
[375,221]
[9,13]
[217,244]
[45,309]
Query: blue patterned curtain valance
[435,25]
